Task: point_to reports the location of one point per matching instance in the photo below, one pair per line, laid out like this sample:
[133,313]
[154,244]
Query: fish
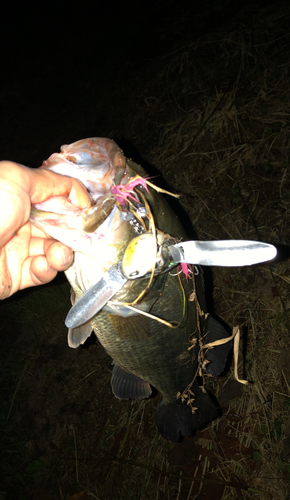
[155,328]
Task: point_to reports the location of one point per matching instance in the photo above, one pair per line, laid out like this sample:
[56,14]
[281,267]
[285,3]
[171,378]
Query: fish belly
[159,356]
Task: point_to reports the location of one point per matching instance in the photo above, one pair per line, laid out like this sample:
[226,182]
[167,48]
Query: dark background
[62,64]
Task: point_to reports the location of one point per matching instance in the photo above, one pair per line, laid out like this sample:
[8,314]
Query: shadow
[283,253]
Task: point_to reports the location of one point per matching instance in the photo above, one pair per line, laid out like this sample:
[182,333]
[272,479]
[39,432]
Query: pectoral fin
[125,385]
[78,336]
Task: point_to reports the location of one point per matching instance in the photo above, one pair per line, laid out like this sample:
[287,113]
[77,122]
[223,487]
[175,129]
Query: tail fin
[175,421]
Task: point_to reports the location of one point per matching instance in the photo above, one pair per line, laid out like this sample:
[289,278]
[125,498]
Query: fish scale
[156,358]
[145,352]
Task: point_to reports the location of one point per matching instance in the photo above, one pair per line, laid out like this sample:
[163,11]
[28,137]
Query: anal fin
[125,385]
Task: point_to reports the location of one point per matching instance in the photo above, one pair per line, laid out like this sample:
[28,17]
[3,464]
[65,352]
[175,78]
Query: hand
[28,257]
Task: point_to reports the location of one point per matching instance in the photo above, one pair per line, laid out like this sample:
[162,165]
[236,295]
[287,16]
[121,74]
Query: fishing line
[171,324]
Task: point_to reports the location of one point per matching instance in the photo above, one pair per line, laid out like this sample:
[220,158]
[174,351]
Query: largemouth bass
[155,327]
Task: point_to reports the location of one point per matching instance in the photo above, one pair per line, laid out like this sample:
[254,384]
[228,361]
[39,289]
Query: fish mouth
[97,162]
[100,164]
[93,217]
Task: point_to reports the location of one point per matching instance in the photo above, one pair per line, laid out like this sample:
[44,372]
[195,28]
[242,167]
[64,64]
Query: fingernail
[47,267]
[66,256]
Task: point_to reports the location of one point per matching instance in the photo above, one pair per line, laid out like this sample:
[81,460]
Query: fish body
[146,352]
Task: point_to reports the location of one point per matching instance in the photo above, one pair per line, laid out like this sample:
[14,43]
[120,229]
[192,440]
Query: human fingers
[14,201]
[46,184]
[41,184]
[29,261]
[22,186]
[41,269]
[36,271]
[58,255]
[5,276]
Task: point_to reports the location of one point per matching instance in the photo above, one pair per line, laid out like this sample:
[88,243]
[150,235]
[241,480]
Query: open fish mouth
[96,162]
[99,164]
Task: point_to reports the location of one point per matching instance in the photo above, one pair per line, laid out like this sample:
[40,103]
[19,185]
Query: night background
[198,91]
